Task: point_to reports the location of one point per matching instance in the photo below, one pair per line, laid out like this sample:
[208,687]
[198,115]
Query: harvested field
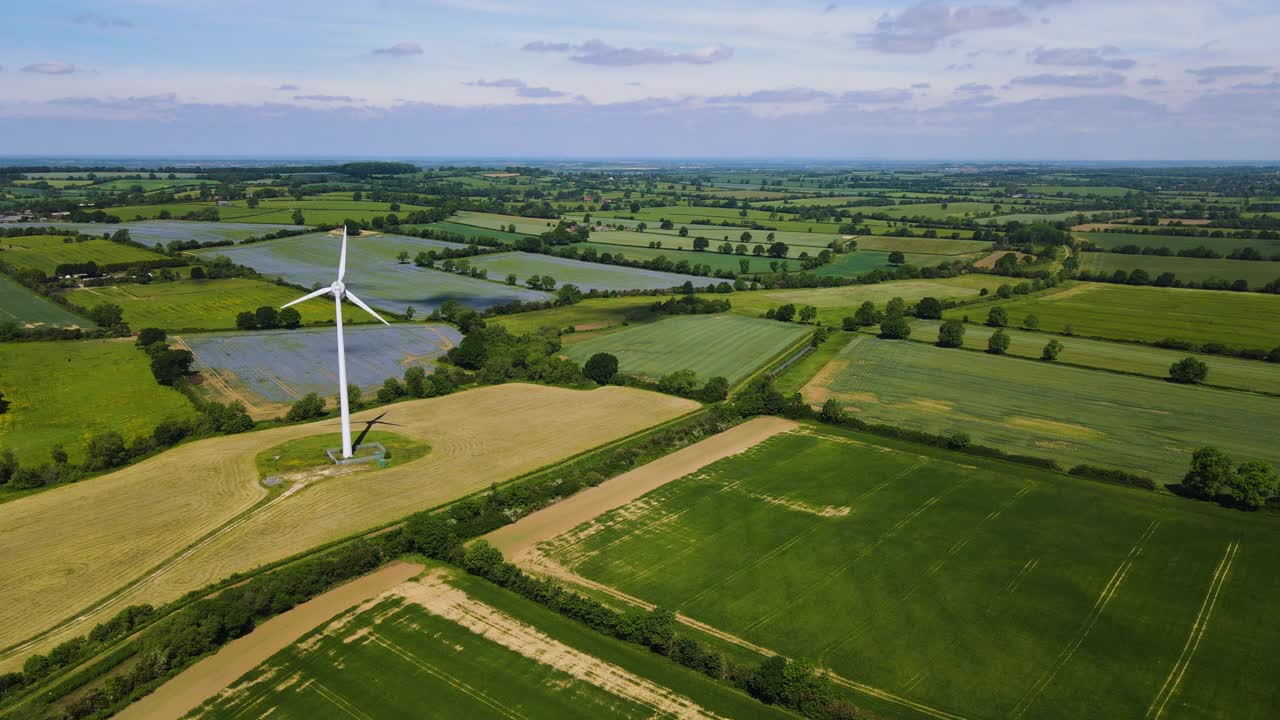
[123,536]
[954,586]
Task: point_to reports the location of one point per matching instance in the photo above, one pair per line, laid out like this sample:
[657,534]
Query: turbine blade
[308,296]
[342,259]
[366,308]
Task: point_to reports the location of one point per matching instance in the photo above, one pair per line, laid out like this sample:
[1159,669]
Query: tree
[170,365]
[197,273]
[951,334]
[309,407]
[897,257]
[512,279]
[1209,474]
[8,465]
[700,244]
[1051,351]
[998,343]
[778,250]
[415,382]
[684,231]
[246,321]
[298,219]
[867,314]
[680,382]
[785,313]
[409,312]
[745,237]
[929,308]
[107,315]
[148,336]
[4,404]
[1188,371]
[601,368]
[403,256]
[289,318]
[808,313]
[1253,483]
[744,266]
[355,397]
[998,317]
[449,310]
[266,317]
[895,328]
[896,307]
[715,390]
[391,389]
[1031,322]
[105,450]
[832,411]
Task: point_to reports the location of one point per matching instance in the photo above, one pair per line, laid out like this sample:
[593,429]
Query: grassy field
[586,275]
[527,226]
[1072,415]
[931,211]
[922,246]
[202,304]
[717,260]
[834,304]
[316,211]
[863,261]
[472,231]
[20,305]
[374,273]
[1147,314]
[65,392]
[955,586]
[269,369]
[1121,357]
[1175,243]
[46,252]
[725,345]
[310,452]
[419,653]
[1082,191]
[1257,273]
[103,537]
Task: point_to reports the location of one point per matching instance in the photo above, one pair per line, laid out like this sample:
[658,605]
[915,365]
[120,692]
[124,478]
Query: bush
[148,336]
[601,368]
[680,382]
[1189,371]
[895,328]
[951,334]
[716,390]
[998,343]
[998,317]
[168,365]
[929,308]
[1118,477]
[1051,351]
[309,407]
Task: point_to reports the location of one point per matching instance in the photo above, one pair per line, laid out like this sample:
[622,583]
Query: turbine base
[362,453]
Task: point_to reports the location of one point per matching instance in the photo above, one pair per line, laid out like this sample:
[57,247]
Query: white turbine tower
[340,291]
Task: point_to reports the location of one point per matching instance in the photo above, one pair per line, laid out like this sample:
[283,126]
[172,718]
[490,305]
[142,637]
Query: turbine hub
[338,288]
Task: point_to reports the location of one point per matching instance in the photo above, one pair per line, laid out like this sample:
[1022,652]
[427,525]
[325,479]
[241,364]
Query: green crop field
[716,235]
[1148,314]
[862,261]
[46,252]
[590,314]
[1032,218]
[1223,246]
[1256,273]
[931,211]
[586,275]
[954,586]
[717,260]
[20,305]
[201,304]
[64,392]
[527,226]
[399,658]
[1154,362]
[472,231]
[834,304]
[924,246]
[726,345]
[1074,191]
[1073,415]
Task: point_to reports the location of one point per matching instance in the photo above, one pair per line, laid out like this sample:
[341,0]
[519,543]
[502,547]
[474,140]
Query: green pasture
[728,346]
[1073,415]
[1224,371]
[834,304]
[493,221]
[1032,218]
[590,314]
[923,246]
[930,211]
[950,586]
[1103,191]
[1256,272]
[199,304]
[20,305]
[46,252]
[585,275]
[1148,314]
[65,392]
[1223,246]
[473,231]
[717,260]
[397,659]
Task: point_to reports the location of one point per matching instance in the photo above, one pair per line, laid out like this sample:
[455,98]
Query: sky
[1083,80]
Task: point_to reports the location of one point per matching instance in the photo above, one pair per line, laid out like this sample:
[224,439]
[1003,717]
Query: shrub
[1188,371]
[601,368]
[1051,351]
[895,328]
[309,407]
[998,317]
[998,343]
[951,334]
[148,336]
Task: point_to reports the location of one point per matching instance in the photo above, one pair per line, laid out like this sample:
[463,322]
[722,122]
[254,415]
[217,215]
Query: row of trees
[267,317]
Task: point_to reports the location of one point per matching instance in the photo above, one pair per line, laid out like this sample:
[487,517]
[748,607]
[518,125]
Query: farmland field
[590,314]
[273,367]
[1224,371]
[64,392]
[422,649]
[834,304]
[46,252]
[527,226]
[586,275]
[89,540]
[1147,314]
[862,261]
[726,345]
[374,274]
[471,231]
[20,305]
[1073,415]
[717,260]
[1257,273]
[1223,246]
[202,304]
[953,586]
[924,246]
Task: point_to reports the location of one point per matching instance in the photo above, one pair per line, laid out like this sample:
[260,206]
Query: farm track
[478,437]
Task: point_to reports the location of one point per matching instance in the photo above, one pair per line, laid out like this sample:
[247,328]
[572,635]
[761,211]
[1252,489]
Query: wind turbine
[340,291]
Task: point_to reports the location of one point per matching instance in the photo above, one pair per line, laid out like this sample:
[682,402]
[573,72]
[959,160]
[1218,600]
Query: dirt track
[519,537]
[206,678]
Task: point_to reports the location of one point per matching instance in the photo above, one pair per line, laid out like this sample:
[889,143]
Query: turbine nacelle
[338,289]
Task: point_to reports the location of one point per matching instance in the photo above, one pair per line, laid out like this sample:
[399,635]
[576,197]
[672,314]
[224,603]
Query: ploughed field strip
[280,366]
[586,275]
[376,274]
[1073,415]
[729,346]
[446,646]
[951,586]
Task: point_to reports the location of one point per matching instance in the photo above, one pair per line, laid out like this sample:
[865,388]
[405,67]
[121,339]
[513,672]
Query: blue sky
[893,79]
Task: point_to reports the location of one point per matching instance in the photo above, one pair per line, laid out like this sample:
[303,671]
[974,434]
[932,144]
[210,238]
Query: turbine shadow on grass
[369,426]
